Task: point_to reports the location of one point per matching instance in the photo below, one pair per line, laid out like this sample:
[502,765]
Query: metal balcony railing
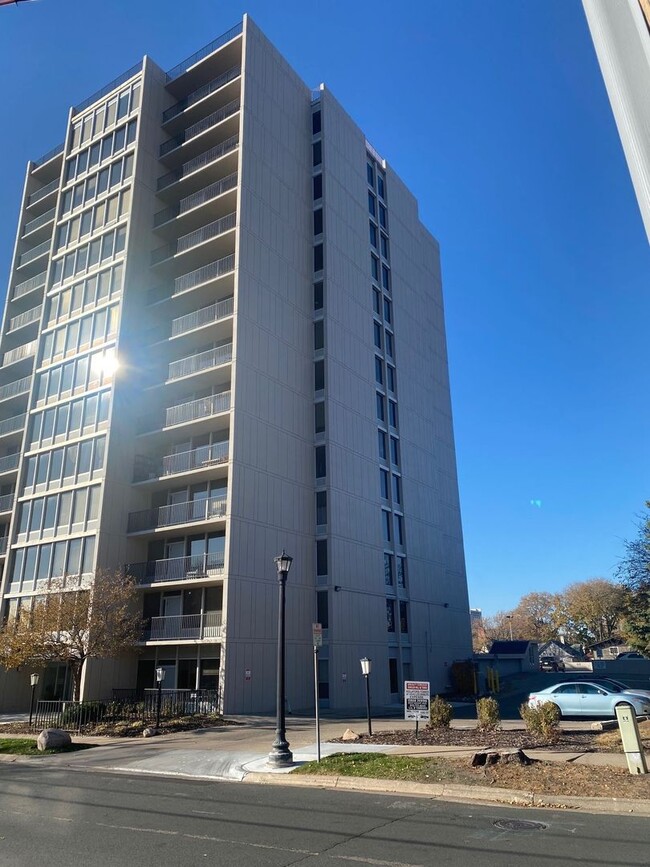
[26,286]
[198,162]
[201,317]
[37,222]
[37,195]
[55,151]
[13,424]
[189,568]
[193,410]
[206,123]
[25,318]
[182,462]
[34,253]
[201,92]
[4,544]
[13,389]
[204,274]
[19,353]
[199,361]
[193,239]
[9,463]
[204,52]
[179,626]
[7,502]
[177,513]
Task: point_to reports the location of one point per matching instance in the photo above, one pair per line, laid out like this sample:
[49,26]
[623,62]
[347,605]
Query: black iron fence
[125,706]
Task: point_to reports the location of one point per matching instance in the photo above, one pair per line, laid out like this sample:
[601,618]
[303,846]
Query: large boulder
[349,735]
[53,739]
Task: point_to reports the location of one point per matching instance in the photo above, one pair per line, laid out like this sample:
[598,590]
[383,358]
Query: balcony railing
[200,127]
[26,286]
[177,568]
[13,389]
[180,626]
[37,195]
[193,410]
[19,353]
[13,424]
[182,462]
[200,361]
[37,222]
[4,544]
[204,316]
[177,513]
[25,318]
[34,253]
[9,463]
[203,275]
[199,162]
[7,502]
[193,239]
[204,52]
[201,93]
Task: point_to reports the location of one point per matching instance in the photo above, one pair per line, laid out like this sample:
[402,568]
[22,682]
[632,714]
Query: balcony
[193,410]
[23,319]
[8,463]
[30,285]
[4,545]
[182,462]
[200,318]
[184,626]
[13,424]
[39,222]
[191,568]
[205,274]
[209,157]
[176,514]
[194,239]
[201,93]
[19,353]
[33,254]
[199,362]
[195,200]
[16,388]
[7,503]
[47,190]
[198,128]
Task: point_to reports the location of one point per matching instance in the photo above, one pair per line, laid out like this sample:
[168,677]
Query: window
[384,246]
[318,295]
[383,484]
[317,153]
[317,183]
[388,570]
[381,442]
[388,310]
[373,235]
[321,507]
[377,334]
[376,301]
[370,169]
[381,407]
[401,572]
[397,489]
[316,122]
[381,184]
[321,462]
[319,417]
[385,278]
[319,375]
[318,221]
[403,618]
[389,344]
[379,371]
[383,221]
[392,676]
[390,615]
[374,267]
[392,413]
[390,377]
[318,257]
[399,529]
[385,521]
[372,205]
[319,334]
[322,613]
[394,451]
[321,557]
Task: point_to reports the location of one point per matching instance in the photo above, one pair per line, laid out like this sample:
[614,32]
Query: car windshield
[610,685]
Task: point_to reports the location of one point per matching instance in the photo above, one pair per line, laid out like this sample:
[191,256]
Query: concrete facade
[273,375]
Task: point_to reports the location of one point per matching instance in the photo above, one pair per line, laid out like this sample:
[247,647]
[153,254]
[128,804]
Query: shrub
[487,713]
[541,720]
[440,713]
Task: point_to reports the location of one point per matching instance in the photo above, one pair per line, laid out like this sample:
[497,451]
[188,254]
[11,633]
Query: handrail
[108,87]
[197,162]
[18,386]
[203,407]
[147,468]
[26,286]
[199,361]
[211,120]
[29,255]
[177,626]
[37,222]
[48,156]
[177,513]
[13,424]
[203,316]
[19,353]
[201,92]
[4,540]
[193,239]
[37,195]
[7,502]
[204,274]
[9,462]
[177,568]
[29,316]
[204,52]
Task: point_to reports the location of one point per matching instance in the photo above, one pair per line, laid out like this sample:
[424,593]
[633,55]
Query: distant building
[476,615]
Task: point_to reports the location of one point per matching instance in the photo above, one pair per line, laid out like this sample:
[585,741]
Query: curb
[456,792]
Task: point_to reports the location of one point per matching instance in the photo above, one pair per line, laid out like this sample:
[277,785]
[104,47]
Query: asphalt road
[60,818]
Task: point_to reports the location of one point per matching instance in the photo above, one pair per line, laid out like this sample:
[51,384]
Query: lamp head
[366,666]
[283,563]
[160,674]
[34,678]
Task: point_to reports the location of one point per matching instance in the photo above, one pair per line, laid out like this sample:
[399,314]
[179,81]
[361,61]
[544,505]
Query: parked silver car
[590,699]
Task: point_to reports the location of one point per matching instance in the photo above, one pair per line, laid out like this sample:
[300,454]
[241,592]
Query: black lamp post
[280,755]
[160,676]
[33,679]
[366,668]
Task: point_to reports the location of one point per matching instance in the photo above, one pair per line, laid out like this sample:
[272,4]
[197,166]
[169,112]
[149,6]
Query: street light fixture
[280,755]
[509,619]
[33,679]
[366,668]
[160,676]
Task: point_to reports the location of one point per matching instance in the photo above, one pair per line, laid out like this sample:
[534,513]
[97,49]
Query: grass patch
[27,747]
[611,741]
[383,767]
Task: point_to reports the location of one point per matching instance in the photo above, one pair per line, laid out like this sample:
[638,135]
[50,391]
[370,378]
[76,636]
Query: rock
[605,725]
[349,735]
[494,757]
[53,739]
[149,732]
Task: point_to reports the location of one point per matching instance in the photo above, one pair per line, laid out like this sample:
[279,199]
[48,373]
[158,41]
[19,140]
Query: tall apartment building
[224,336]
[620,30]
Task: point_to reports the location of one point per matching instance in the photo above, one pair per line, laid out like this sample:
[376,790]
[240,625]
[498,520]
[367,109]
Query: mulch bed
[131,729]
[577,742]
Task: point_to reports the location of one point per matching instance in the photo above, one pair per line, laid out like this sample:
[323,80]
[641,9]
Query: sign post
[632,746]
[317,640]
[416,701]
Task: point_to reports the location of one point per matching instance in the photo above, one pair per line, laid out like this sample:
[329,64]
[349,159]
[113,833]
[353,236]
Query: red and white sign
[416,700]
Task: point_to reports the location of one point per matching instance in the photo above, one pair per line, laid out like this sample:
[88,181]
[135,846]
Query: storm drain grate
[519,825]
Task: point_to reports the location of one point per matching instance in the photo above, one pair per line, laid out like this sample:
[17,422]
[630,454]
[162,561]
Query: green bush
[487,714]
[81,714]
[440,713]
[541,720]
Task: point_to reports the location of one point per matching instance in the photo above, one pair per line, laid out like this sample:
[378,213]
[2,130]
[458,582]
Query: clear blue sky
[496,116]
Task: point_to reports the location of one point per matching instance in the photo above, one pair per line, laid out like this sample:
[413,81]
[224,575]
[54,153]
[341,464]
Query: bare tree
[591,610]
[634,573]
[69,626]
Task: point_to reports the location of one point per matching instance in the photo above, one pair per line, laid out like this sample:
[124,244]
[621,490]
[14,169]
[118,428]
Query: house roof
[566,649]
[514,648]
[613,641]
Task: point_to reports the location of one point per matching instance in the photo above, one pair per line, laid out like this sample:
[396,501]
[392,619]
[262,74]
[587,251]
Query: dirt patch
[575,742]
[130,729]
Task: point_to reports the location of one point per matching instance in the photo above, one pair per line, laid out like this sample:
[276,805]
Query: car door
[566,698]
[593,701]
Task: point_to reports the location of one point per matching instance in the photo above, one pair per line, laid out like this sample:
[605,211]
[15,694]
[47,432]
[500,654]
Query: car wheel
[557,708]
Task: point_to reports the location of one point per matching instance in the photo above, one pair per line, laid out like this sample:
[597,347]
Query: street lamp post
[366,668]
[33,679]
[160,676]
[509,619]
[280,755]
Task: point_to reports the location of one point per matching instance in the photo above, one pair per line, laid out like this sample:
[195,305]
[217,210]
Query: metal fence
[125,706]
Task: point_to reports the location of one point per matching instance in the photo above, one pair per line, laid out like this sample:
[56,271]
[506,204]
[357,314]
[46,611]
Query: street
[60,817]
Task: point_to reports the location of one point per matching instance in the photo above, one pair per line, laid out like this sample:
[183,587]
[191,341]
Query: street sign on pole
[317,634]
[317,637]
[416,700]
